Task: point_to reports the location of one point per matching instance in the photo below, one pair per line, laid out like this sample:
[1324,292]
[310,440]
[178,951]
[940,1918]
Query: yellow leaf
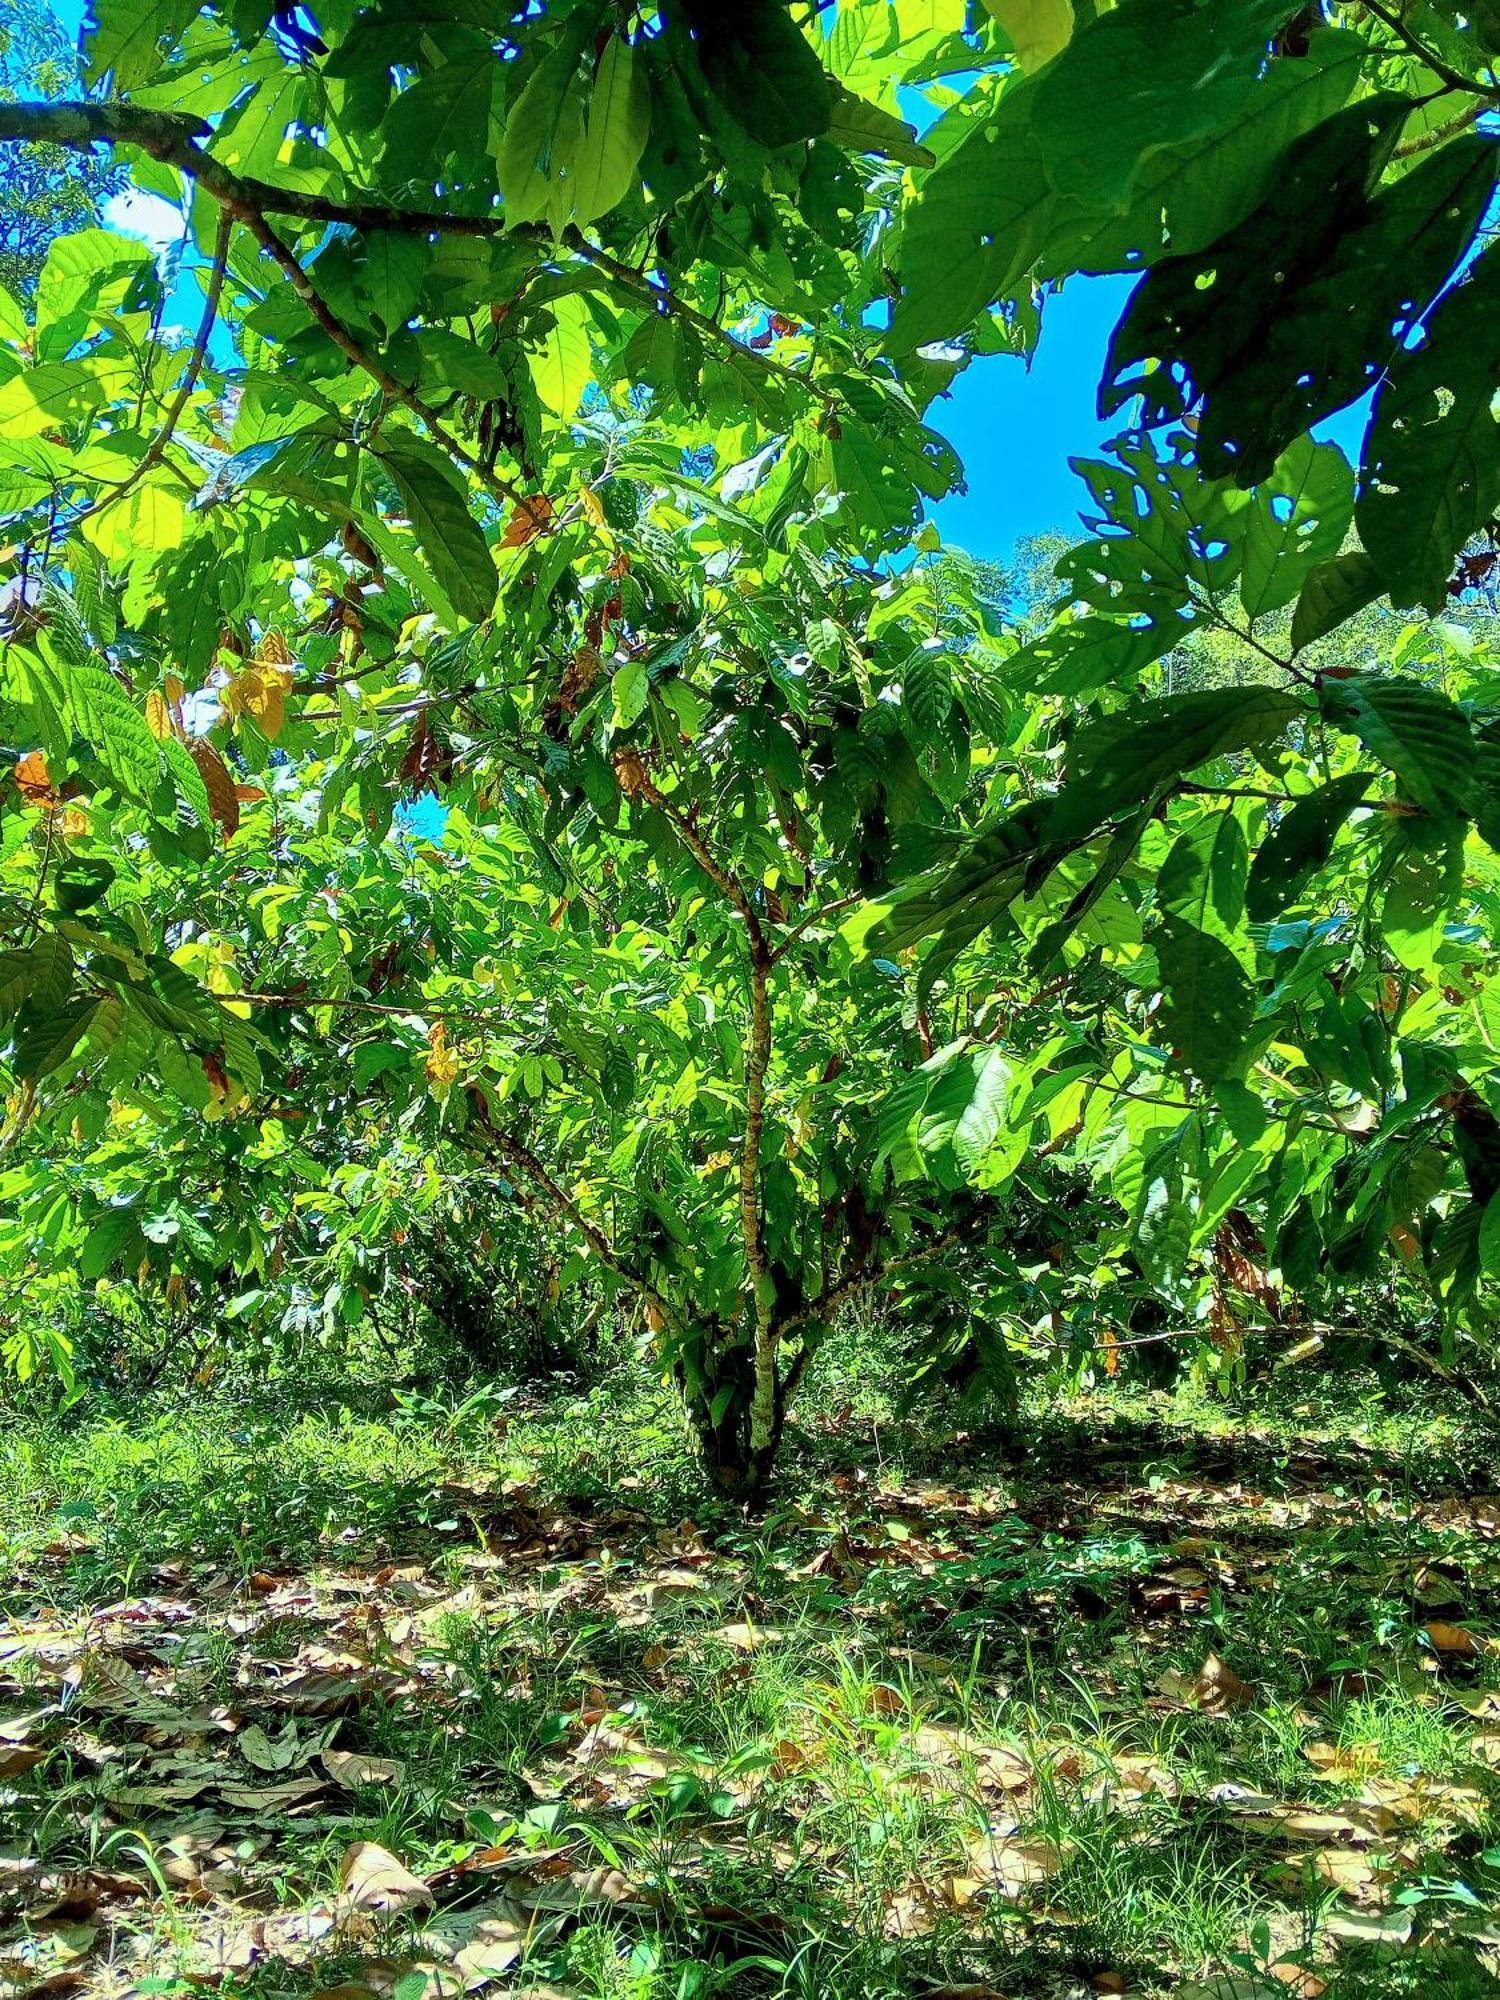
[1038,29]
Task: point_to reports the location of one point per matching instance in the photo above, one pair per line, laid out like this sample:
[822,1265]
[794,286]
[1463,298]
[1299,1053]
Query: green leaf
[619,117]
[542,131]
[1190,70]
[1188,196]
[982,217]
[1202,880]
[132,37]
[81,880]
[1414,731]
[1298,516]
[1356,273]
[927,690]
[861,127]
[1126,758]
[1210,1005]
[1334,591]
[631,688]
[47,1040]
[436,500]
[1300,844]
[1426,883]
[39,977]
[1037,29]
[562,366]
[762,69]
[104,715]
[1432,454]
[442,120]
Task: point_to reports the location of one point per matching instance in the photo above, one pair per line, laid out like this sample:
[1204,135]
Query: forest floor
[299,1699]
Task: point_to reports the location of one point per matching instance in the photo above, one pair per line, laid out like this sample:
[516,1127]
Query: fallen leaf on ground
[1215,1688]
[349,1768]
[1455,1641]
[374,1879]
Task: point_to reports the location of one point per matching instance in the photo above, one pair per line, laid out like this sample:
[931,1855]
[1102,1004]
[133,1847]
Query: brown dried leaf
[374,1879]
[1215,1689]
[349,1768]
[528,518]
[223,795]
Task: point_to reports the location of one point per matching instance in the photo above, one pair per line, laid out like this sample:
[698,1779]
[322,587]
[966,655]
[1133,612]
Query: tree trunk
[739,1450]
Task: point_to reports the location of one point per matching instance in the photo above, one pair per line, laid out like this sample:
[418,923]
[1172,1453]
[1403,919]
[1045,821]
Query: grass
[1134,1695]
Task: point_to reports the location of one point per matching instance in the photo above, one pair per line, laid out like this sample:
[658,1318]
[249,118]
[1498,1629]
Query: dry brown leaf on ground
[349,1769]
[1214,1690]
[1454,1641]
[1010,1863]
[1358,1822]
[374,1879]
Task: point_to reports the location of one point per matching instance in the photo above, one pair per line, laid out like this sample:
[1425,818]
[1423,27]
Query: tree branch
[155,452]
[833,1296]
[174,138]
[522,1156]
[346,343]
[1454,78]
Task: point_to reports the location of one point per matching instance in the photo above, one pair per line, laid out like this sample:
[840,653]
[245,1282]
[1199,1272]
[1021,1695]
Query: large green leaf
[1188,196]
[981,219]
[1209,1002]
[1191,69]
[762,69]
[1415,731]
[1333,592]
[437,503]
[1432,456]
[1300,843]
[608,155]
[1128,757]
[1355,274]
[1298,518]
[131,37]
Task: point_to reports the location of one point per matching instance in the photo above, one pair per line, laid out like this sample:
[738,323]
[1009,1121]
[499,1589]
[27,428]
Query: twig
[155,452]
[814,917]
[1454,78]
[346,343]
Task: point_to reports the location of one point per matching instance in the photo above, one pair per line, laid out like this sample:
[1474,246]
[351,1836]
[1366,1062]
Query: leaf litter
[235,1744]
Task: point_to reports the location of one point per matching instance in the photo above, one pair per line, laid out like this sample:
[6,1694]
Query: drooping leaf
[1298,517]
[1300,843]
[1357,271]
[1209,1002]
[437,503]
[1414,730]
[1432,454]
[1334,591]
[614,137]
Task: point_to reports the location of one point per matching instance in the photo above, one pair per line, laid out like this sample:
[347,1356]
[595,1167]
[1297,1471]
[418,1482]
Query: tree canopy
[559,437]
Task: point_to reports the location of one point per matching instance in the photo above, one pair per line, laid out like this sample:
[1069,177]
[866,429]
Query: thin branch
[635,783]
[598,1242]
[1440,134]
[155,452]
[833,1296]
[418,1009]
[174,138]
[344,340]
[812,917]
[1454,78]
